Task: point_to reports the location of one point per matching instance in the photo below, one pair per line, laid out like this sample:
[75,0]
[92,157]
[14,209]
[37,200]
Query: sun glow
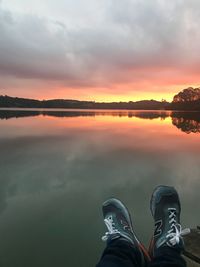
[118,94]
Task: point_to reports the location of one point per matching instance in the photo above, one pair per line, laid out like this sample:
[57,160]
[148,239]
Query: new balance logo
[158,229]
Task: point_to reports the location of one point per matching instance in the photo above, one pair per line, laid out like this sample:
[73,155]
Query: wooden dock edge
[191,257]
[192,245]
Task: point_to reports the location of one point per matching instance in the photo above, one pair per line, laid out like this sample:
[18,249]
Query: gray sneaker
[118,221]
[166,208]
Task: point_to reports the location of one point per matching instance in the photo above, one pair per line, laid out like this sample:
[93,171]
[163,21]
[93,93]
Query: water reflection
[55,172]
[13,113]
[188,122]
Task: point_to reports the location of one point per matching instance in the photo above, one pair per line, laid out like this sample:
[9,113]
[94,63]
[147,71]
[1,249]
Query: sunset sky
[102,50]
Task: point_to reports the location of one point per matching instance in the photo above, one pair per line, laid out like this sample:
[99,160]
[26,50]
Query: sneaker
[165,208]
[118,221]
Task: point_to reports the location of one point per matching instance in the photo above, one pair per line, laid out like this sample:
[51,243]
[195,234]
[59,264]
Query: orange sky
[106,95]
[112,93]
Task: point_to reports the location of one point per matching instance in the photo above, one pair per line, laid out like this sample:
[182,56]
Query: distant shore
[186,100]
[16,102]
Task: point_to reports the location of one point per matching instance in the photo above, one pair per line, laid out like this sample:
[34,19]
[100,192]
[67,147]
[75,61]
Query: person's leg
[120,253]
[167,257]
[123,248]
[167,243]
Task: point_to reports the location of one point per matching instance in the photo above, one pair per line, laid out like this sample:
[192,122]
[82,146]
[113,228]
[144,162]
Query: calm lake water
[57,167]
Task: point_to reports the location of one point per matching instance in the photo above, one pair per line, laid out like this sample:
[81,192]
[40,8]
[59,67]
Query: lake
[58,166]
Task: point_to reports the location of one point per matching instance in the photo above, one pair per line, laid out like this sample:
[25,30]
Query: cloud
[129,42]
[30,50]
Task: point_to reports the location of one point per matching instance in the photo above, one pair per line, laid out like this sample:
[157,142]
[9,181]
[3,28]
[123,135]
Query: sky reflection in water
[57,167]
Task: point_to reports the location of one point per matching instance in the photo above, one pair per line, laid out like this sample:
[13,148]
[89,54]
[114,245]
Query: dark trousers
[123,254]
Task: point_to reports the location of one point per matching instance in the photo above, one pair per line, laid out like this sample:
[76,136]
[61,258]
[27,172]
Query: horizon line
[91,101]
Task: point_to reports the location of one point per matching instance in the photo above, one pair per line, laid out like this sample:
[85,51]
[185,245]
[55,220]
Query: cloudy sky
[102,50]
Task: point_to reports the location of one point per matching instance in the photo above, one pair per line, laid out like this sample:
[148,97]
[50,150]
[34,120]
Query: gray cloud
[129,41]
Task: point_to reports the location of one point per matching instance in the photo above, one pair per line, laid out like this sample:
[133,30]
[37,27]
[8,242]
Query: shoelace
[176,232]
[174,238]
[111,228]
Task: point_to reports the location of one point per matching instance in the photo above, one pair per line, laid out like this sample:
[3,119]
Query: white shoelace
[111,228]
[176,232]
